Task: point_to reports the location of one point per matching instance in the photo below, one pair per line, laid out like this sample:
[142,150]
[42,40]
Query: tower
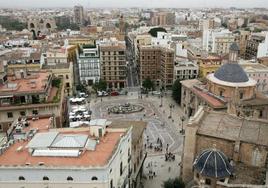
[233,53]
[79,15]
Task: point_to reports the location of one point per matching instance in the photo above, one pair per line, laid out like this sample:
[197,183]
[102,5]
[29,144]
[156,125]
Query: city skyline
[138,3]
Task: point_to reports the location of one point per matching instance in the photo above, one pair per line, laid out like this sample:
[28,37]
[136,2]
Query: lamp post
[182,120]
[170,113]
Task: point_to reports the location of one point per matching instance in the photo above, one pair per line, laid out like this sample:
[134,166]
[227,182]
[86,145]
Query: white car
[156,92]
[102,93]
[82,94]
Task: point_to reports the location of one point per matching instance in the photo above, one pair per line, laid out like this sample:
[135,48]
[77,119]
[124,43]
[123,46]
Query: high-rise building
[157,64]
[252,46]
[113,63]
[243,37]
[79,17]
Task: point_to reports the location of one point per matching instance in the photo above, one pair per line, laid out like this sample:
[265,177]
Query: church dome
[213,163]
[231,72]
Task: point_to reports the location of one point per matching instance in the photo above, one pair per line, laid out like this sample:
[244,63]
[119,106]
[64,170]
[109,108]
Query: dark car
[114,93]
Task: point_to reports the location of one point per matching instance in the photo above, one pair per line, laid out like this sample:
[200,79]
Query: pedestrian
[169,169]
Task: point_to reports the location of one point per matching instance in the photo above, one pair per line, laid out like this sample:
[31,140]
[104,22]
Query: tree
[81,88]
[148,84]
[174,183]
[153,31]
[56,82]
[12,24]
[176,91]
[100,86]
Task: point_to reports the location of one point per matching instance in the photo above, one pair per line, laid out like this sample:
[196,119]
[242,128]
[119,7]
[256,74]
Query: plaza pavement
[155,116]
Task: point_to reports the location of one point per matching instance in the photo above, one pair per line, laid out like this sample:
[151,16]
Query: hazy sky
[134,3]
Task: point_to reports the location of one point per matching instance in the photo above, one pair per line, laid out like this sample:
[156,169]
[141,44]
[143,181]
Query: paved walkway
[159,126]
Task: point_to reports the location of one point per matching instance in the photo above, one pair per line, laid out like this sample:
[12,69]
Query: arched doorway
[32,25]
[34,34]
[48,26]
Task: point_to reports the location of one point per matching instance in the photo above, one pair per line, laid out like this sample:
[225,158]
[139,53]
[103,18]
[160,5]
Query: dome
[231,72]
[213,163]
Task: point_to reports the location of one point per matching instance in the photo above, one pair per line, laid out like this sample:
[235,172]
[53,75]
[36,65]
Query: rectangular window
[22,113]
[67,77]
[10,115]
[35,112]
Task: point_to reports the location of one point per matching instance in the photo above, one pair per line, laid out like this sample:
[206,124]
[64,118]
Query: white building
[185,69]
[181,50]
[217,40]
[263,48]
[93,156]
[258,72]
[89,64]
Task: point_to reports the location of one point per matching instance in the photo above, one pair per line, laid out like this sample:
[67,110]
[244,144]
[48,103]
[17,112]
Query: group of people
[157,147]
[169,156]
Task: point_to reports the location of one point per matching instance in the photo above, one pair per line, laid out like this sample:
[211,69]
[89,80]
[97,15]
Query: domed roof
[231,72]
[213,163]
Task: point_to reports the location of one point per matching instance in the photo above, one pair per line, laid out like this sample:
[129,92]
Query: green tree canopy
[100,86]
[153,31]
[176,91]
[12,24]
[148,84]
[174,183]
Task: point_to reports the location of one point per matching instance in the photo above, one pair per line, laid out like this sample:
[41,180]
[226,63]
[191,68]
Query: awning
[6,96]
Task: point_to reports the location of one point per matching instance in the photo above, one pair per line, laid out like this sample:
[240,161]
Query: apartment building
[157,64]
[30,95]
[243,38]
[149,63]
[217,40]
[252,46]
[89,64]
[184,70]
[167,67]
[113,63]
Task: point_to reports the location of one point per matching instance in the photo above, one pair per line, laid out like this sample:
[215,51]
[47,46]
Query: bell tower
[233,53]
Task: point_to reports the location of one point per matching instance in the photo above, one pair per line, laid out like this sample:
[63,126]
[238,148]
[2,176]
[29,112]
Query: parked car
[102,93]
[156,93]
[114,93]
[82,94]
[123,92]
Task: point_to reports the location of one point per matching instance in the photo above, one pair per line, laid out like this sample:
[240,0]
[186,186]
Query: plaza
[164,125]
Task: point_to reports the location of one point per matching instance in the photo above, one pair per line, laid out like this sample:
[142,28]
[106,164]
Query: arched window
[94,178]
[21,178]
[45,178]
[69,178]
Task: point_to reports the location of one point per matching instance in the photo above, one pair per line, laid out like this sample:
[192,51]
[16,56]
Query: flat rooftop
[99,157]
[36,82]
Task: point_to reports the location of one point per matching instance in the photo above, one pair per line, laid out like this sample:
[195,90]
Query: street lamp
[170,113]
[182,131]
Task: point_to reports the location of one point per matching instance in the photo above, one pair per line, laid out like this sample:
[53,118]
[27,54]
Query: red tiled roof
[209,99]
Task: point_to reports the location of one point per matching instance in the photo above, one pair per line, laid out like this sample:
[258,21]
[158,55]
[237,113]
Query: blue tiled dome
[213,163]
[231,72]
